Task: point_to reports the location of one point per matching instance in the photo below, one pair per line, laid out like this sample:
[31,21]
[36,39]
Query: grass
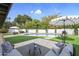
[18,39]
[70,39]
[76,50]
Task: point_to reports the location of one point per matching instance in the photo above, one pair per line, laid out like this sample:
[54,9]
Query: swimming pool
[47,35]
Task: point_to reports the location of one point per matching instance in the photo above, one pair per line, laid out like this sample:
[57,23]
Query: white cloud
[38,12]
[32,12]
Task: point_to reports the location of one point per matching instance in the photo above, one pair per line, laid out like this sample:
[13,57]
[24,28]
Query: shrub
[3,30]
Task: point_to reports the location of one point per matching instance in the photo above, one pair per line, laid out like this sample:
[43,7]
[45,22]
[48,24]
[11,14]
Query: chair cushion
[60,44]
[67,51]
[57,47]
[6,47]
[70,48]
[50,53]
[0,50]
[0,54]
[14,52]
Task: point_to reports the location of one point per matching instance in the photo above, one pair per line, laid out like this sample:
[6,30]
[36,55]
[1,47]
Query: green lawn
[18,39]
[70,39]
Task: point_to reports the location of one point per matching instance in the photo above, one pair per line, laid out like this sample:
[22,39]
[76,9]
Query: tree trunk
[76,31]
[46,30]
[36,31]
[55,31]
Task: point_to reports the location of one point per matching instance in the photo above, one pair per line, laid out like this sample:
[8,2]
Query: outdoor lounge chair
[65,51]
[54,51]
[8,50]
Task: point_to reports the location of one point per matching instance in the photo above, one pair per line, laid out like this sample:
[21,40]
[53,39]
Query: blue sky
[39,10]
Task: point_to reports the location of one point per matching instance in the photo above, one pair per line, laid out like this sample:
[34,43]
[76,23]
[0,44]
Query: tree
[7,24]
[76,29]
[45,21]
[25,21]
[22,19]
[5,27]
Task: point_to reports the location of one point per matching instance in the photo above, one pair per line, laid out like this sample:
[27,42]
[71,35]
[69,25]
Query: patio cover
[4,10]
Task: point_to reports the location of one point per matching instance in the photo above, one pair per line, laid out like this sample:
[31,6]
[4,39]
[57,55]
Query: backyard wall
[41,31]
[59,31]
[31,30]
[49,31]
[69,31]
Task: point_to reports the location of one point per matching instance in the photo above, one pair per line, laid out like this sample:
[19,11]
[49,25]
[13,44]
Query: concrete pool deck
[42,42]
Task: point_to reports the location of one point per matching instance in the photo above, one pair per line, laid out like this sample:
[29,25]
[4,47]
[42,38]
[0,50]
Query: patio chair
[58,50]
[8,50]
[54,51]
[67,50]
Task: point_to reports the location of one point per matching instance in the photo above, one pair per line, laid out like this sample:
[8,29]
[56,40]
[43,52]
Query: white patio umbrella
[64,21]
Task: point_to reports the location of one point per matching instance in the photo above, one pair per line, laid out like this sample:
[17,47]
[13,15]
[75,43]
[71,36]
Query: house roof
[15,27]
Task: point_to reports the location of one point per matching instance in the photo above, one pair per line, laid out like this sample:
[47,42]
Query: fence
[51,31]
